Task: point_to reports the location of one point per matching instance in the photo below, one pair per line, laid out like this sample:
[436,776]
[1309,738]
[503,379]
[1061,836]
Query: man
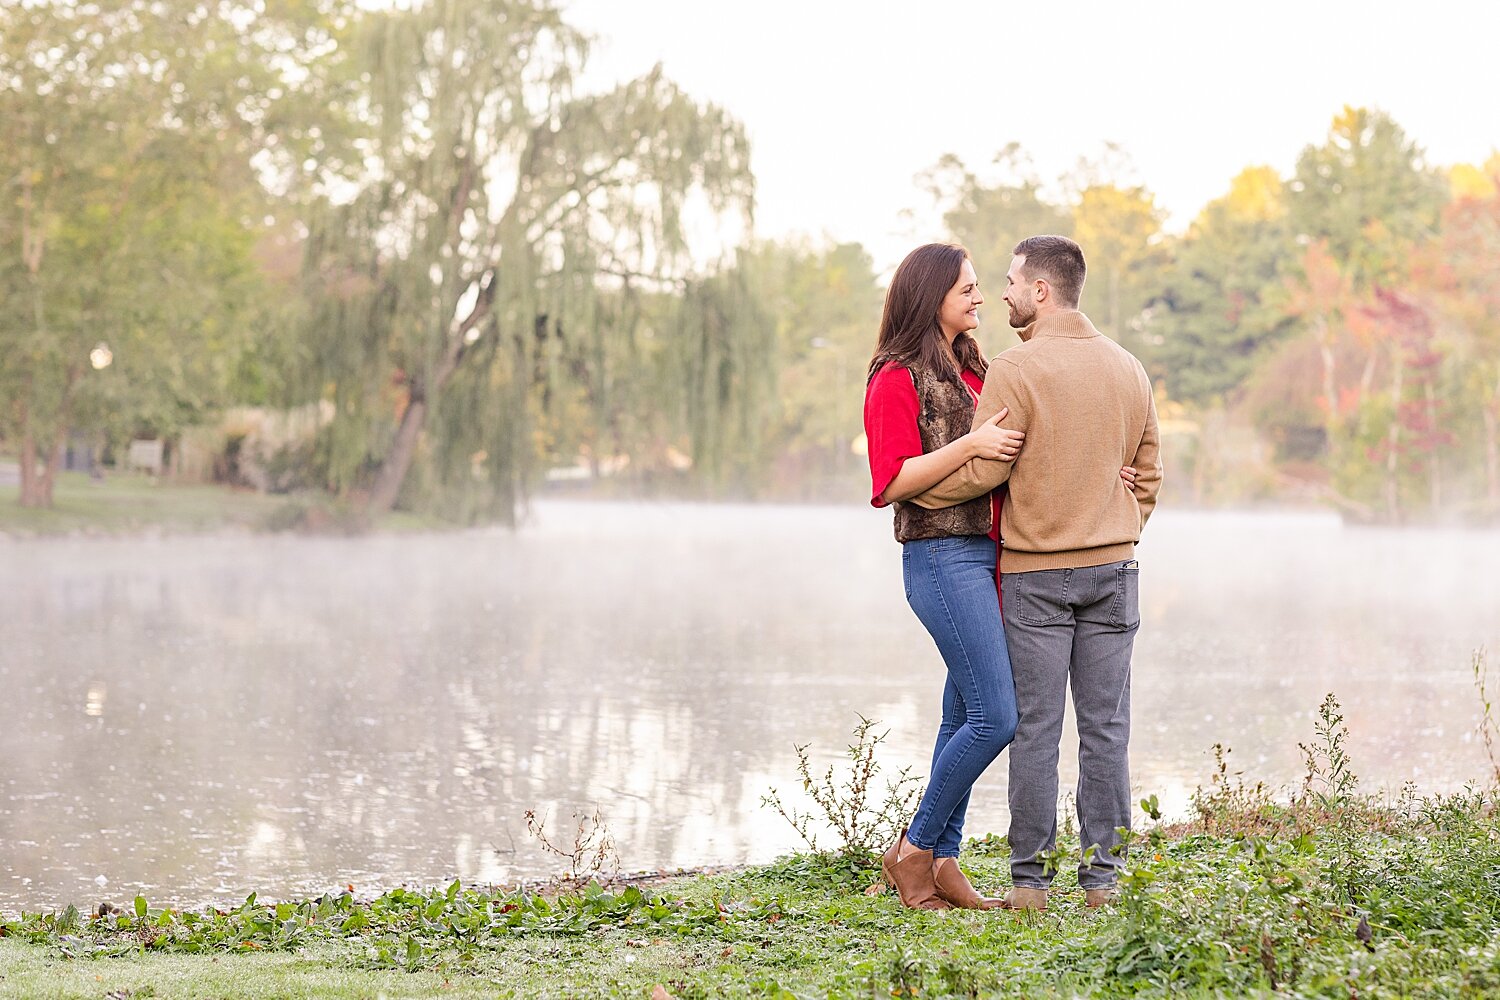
[1068,573]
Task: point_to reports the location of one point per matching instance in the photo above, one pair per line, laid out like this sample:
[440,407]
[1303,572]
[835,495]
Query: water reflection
[194,719]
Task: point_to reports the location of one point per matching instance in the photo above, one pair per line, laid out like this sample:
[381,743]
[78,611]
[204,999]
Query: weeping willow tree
[491,231]
[726,374]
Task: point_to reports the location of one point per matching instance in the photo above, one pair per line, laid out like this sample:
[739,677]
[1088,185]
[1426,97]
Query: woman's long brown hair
[909,332]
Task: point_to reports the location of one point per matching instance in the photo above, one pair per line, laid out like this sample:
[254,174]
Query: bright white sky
[846,102]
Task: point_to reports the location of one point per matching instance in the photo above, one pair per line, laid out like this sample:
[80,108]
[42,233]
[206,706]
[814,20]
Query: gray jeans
[1078,626]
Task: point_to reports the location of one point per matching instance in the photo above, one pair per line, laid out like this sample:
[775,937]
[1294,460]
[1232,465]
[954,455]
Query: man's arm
[1147,461]
[978,476]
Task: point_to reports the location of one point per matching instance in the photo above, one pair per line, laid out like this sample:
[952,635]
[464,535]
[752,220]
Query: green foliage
[836,871]
[402,928]
[1330,781]
[826,308]
[1288,897]
[1116,222]
[1344,316]
[1262,913]
[1121,228]
[990,217]
[414,213]
[1331,784]
[1228,801]
[1367,192]
[1228,914]
[500,224]
[762,370]
[126,131]
[1219,308]
[725,376]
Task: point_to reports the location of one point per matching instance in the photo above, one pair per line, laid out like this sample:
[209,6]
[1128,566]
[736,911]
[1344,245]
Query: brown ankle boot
[954,889]
[912,876]
[1095,898]
[1024,898]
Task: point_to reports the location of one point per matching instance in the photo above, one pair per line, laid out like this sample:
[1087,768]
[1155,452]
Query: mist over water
[194,719]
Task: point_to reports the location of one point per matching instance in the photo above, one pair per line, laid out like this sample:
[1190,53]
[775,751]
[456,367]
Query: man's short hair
[1057,259]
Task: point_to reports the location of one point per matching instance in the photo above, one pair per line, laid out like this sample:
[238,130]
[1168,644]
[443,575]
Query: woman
[924,381]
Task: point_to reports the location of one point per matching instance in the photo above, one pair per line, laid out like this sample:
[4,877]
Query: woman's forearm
[922,472]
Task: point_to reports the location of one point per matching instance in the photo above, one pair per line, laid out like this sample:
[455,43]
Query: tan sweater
[1086,406]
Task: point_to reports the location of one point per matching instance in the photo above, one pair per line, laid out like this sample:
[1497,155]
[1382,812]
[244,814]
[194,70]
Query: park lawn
[26,971]
[1338,898]
[824,939]
[123,504]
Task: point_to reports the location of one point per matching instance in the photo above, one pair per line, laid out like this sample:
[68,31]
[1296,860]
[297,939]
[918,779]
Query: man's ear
[1040,290]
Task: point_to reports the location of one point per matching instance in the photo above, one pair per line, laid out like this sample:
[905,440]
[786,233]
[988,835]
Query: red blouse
[891,408]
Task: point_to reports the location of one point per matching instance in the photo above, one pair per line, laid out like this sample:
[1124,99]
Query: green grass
[1282,900]
[319,972]
[132,504]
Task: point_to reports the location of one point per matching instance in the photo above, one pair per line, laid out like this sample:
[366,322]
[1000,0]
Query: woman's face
[960,311]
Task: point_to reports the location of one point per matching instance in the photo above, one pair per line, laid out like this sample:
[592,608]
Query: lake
[197,718]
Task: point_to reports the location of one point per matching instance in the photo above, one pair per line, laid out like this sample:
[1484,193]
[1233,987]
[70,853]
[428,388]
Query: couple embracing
[1020,488]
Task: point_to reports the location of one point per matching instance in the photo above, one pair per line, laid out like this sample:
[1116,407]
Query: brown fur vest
[946,414]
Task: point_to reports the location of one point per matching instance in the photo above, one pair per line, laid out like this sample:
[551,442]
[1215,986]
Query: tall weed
[862,817]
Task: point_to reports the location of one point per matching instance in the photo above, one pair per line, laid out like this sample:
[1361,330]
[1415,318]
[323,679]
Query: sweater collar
[1071,324]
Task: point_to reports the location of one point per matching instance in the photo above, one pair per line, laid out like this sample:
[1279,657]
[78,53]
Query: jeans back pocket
[1041,596]
[1125,611]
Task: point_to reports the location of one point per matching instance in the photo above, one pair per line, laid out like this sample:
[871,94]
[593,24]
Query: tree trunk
[1491,411]
[1393,446]
[37,481]
[54,460]
[1434,464]
[398,460]
[1330,391]
[39,478]
[1366,382]
[35,491]
[36,485]
[1207,451]
[1114,306]
[32,493]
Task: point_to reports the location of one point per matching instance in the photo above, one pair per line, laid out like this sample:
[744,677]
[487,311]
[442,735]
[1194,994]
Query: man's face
[1018,294]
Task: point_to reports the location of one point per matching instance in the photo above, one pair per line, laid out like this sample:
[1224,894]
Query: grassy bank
[1410,910]
[137,504]
[1330,894]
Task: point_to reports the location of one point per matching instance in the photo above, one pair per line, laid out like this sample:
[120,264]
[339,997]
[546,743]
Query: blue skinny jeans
[950,584]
